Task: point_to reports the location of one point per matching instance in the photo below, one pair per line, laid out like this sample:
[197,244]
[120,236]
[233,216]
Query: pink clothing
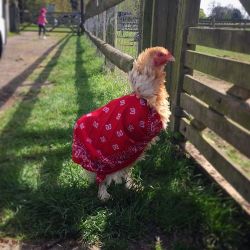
[115,135]
[43,10]
[42,19]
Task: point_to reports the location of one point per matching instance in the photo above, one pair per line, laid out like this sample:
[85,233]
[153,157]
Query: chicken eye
[160,54]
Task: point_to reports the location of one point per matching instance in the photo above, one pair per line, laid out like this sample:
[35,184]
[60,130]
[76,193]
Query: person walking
[42,21]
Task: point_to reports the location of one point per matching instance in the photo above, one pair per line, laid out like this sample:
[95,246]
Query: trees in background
[34,5]
[31,4]
[61,5]
[225,12]
[202,14]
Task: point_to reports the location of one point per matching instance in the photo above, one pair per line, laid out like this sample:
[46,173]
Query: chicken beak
[171,58]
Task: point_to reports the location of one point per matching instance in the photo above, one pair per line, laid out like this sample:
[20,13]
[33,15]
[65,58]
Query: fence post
[104,26]
[147,23]
[100,29]
[111,19]
[82,16]
[187,14]
[139,48]
[213,21]
[111,26]
[163,28]
[159,23]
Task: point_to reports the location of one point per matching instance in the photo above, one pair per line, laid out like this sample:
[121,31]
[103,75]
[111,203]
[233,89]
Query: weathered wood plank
[215,175]
[223,21]
[240,93]
[232,173]
[216,97]
[187,14]
[159,30]
[227,69]
[93,9]
[111,27]
[104,20]
[121,60]
[170,36]
[152,22]
[225,128]
[226,25]
[235,26]
[140,28]
[147,23]
[227,39]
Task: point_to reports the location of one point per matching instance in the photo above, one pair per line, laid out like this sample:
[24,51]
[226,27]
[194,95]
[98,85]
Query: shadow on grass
[177,203]
[137,218]
[14,128]
[169,205]
[84,94]
[50,211]
[16,195]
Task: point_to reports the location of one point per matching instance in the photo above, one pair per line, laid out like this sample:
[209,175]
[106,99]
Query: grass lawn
[125,41]
[45,196]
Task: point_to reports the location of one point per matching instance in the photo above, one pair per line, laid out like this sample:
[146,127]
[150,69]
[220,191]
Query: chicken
[110,139]
[148,79]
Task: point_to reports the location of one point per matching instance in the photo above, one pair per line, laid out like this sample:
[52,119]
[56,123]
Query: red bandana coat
[115,135]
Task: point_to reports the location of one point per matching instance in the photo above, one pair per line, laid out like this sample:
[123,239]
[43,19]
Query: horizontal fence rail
[209,20]
[222,26]
[121,60]
[222,23]
[227,39]
[218,99]
[232,173]
[226,69]
[226,129]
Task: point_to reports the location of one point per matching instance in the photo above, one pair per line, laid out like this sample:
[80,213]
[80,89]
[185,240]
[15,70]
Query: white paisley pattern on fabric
[114,136]
[117,157]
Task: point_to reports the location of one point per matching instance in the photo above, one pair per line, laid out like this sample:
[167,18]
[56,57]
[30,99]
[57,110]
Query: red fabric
[114,136]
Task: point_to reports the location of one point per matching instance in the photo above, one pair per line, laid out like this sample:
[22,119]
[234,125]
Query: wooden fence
[215,106]
[200,105]
[212,22]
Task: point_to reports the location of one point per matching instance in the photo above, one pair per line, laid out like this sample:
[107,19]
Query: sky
[206,4]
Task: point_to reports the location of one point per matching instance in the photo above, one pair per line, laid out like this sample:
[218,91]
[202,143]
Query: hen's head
[154,58]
